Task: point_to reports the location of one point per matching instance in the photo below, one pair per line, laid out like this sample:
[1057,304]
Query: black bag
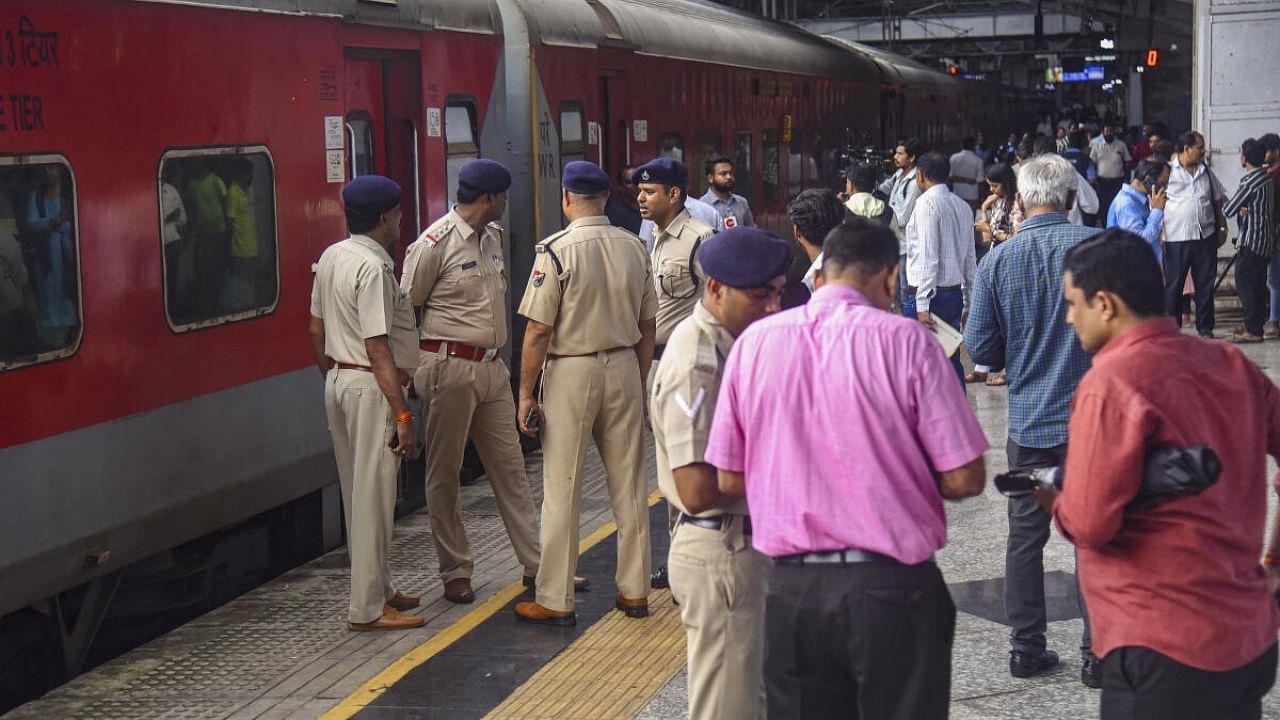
[1177,472]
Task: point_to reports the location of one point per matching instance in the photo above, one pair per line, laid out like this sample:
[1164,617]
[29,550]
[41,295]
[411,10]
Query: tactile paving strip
[610,672]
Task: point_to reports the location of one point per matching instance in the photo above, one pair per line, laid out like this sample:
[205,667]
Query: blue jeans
[948,306]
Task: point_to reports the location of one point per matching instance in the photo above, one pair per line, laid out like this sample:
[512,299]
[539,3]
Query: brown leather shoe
[405,601]
[637,608]
[579,583]
[391,619]
[459,591]
[532,612]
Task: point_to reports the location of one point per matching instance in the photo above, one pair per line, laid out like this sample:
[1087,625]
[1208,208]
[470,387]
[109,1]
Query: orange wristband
[1271,560]
[404,418]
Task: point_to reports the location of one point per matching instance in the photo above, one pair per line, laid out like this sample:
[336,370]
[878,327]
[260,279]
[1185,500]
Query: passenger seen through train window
[219,237]
[39,267]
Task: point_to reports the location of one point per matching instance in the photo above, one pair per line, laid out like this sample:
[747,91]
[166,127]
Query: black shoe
[1025,665]
[1091,671]
[659,580]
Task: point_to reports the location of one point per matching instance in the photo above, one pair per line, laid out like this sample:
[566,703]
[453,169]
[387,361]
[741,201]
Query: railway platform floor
[283,651]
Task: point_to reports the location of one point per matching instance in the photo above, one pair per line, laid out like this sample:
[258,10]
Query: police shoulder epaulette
[436,233]
[546,244]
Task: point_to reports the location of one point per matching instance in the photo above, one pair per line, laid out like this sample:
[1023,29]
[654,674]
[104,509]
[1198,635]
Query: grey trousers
[1024,558]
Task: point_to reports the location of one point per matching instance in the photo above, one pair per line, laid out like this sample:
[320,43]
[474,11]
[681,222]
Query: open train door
[383,136]
[614,150]
[383,126]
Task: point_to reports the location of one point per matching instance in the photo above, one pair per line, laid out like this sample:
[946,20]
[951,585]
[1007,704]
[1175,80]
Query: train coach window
[742,163]
[573,144]
[218,235]
[708,147]
[817,161]
[769,167]
[360,137]
[461,145]
[39,261]
[671,145]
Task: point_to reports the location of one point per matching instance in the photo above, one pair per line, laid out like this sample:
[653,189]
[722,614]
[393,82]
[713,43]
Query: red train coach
[168,173]
[169,170]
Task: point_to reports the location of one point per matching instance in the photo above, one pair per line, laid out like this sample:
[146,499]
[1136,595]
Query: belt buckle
[490,354]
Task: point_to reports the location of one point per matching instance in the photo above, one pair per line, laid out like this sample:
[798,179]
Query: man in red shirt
[1181,609]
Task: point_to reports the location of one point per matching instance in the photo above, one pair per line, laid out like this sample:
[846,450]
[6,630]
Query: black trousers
[1251,285]
[1201,258]
[1141,684]
[1024,558]
[1107,189]
[858,642]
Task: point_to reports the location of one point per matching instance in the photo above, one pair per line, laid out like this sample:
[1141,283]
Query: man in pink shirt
[849,503]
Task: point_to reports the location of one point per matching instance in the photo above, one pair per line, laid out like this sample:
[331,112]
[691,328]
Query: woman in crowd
[998,219]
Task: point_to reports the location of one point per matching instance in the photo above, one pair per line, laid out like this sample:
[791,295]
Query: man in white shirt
[966,173]
[1191,213]
[941,258]
[1111,156]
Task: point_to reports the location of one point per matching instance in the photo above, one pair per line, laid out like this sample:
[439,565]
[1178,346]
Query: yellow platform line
[610,672]
[373,688]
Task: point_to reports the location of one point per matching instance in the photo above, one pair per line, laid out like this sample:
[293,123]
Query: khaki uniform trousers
[720,583]
[361,426]
[600,397]
[468,398]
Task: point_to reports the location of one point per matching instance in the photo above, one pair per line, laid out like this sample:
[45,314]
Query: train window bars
[769,173]
[40,308]
[742,169]
[573,143]
[460,135]
[217,216]
[708,147]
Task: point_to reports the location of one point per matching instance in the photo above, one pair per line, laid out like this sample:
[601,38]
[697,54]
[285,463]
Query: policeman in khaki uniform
[662,184]
[591,306]
[363,338]
[455,278]
[716,576]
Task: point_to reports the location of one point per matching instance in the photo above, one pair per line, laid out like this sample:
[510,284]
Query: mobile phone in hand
[531,420]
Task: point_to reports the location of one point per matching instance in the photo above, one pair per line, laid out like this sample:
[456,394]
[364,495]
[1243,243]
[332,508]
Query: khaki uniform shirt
[356,294]
[597,295]
[685,387]
[456,280]
[679,287]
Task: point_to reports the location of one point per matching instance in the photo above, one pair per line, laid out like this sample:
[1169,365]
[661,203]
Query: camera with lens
[1017,483]
[1169,472]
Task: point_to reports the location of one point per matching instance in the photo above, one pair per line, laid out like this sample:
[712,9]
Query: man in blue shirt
[1016,321]
[1139,206]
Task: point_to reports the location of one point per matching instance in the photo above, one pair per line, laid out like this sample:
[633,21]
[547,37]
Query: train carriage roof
[696,31]
[478,16]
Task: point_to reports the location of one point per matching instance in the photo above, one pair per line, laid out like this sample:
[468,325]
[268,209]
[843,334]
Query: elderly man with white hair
[1016,321]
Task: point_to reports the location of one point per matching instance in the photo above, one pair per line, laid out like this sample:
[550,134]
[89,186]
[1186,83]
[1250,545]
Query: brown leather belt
[610,350]
[460,350]
[349,366]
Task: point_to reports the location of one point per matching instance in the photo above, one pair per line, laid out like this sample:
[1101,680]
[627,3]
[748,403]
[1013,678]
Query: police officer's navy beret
[663,170]
[584,178]
[373,194]
[485,175]
[745,257]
